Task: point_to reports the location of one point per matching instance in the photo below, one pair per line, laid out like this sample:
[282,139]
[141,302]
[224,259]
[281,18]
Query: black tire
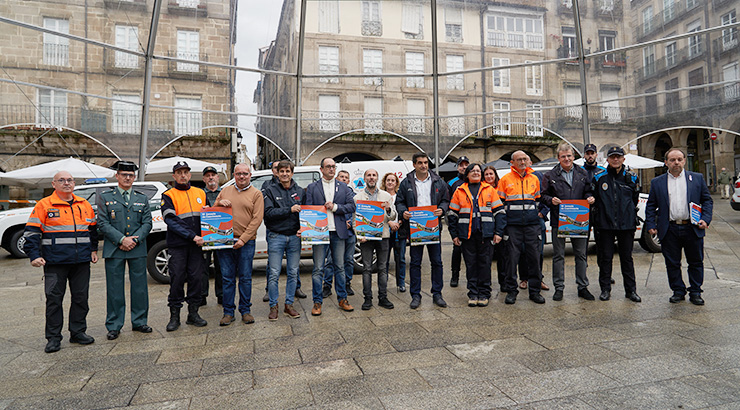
[15,245]
[156,262]
[650,243]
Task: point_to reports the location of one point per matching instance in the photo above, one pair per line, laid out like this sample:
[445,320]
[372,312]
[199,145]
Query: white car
[12,223]
[735,198]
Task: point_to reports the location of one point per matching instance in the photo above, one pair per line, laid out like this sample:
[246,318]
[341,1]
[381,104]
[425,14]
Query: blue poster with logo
[369,219]
[424,225]
[217,228]
[314,225]
[573,218]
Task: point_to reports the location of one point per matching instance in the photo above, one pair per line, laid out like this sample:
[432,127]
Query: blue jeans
[349,262]
[237,262]
[398,246]
[435,257]
[319,256]
[267,239]
[277,246]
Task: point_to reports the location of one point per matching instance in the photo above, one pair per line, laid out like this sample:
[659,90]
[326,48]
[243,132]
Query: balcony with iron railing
[608,8]
[122,63]
[195,8]
[666,17]
[187,70]
[566,7]
[126,5]
[567,52]
[726,43]
[614,61]
[672,61]
[56,54]
[718,4]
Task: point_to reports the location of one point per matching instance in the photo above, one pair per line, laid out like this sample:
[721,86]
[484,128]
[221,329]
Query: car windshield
[88,194]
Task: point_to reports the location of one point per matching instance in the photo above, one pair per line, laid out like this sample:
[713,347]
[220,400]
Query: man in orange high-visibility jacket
[61,235]
[477,221]
[520,191]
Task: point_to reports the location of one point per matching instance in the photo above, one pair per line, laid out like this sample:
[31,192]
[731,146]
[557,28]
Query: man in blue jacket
[423,188]
[337,198]
[668,213]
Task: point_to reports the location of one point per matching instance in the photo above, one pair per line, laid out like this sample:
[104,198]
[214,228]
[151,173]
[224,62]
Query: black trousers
[55,285]
[186,265]
[526,240]
[683,237]
[605,247]
[499,253]
[477,252]
[218,287]
[456,260]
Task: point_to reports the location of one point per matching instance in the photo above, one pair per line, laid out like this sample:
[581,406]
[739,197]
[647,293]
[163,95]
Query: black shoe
[385,303]
[584,293]
[266,298]
[142,329]
[220,300]
[633,297]
[367,304]
[437,299]
[696,299]
[349,290]
[82,339]
[454,281]
[402,287]
[605,295]
[537,298]
[612,281]
[53,345]
[299,293]
[113,334]
[677,297]
[326,292]
[174,322]
[415,302]
[510,298]
[203,301]
[194,318]
[558,295]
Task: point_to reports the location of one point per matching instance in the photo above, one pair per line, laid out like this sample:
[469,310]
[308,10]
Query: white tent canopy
[631,161]
[161,170]
[43,174]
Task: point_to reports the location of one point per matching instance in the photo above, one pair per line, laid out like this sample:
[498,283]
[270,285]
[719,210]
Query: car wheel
[156,262]
[359,267]
[650,243]
[16,244]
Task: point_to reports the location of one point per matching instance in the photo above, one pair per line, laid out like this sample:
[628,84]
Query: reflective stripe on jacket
[520,195]
[181,213]
[61,233]
[461,208]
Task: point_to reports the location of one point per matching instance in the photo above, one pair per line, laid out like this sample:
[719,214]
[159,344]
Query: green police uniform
[117,219]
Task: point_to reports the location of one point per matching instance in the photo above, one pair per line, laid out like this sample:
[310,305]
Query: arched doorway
[662,145]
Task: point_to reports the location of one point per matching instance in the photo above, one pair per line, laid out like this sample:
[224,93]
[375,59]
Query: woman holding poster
[476,220]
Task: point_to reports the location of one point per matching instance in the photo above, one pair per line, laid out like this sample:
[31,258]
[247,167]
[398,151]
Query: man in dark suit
[337,198]
[125,220]
[668,206]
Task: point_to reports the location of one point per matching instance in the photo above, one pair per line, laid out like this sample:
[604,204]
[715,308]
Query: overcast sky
[257,22]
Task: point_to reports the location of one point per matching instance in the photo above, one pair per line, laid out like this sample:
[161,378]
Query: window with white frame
[455,81]
[730,72]
[127,37]
[188,121]
[126,113]
[501,118]
[328,63]
[690,4]
[188,48]
[534,120]
[514,31]
[672,101]
[56,48]
[415,108]
[371,11]
[647,20]
[372,63]
[648,60]
[52,108]
[412,21]
[695,47]
[671,56]
[607,41]
[573,99]
[570,47]
[414,65]
[533,75]
[456,125]
[669,10]
[729,35]
[501,78]
[453,25]
[329,16]
[329,113]
[610,110]
[373,114]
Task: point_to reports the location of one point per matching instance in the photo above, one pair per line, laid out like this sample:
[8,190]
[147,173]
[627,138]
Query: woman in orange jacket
[477,221]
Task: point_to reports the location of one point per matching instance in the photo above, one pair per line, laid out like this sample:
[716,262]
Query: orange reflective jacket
[520,195]
[461,211]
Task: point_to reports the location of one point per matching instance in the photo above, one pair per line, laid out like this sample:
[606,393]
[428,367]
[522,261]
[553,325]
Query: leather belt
[681,222]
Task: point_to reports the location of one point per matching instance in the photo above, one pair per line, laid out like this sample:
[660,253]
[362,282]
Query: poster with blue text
[369,218]
[573,219]
[424,225]
[314,225]
[216,228]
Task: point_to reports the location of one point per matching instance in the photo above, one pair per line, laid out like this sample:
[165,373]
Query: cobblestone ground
[572,354]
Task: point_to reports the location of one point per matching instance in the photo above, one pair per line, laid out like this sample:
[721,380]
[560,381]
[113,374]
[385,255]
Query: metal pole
[435,85]
[582,69]
[147,88]
[298,86]
[714,164]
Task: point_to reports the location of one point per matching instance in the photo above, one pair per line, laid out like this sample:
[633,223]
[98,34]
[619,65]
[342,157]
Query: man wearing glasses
[125,220]
[62,237]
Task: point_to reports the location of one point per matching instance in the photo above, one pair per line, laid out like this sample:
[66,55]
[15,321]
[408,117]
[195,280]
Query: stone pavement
[572,354]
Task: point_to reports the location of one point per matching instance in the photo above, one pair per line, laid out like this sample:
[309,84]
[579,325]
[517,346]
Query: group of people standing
[486,215]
